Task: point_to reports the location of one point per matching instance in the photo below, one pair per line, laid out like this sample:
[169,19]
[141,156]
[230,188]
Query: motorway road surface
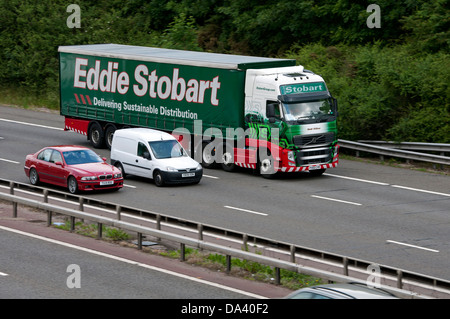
[391,216]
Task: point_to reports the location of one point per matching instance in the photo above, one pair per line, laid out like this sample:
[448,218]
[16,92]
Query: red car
[75,167]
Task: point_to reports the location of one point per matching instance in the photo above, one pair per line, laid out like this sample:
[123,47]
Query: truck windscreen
[309,111]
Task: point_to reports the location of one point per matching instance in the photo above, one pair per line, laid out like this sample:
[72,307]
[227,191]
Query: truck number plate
[106,183]
[188,175]
[314,167]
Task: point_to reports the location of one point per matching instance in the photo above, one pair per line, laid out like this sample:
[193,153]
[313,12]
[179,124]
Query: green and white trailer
[260,113]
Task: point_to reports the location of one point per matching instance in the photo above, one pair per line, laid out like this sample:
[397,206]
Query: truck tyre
[317,172]
[266,166]
[96,135]
[109,134]
[208,155]
[159,180]
[34,177]
[227,162]
[72,185]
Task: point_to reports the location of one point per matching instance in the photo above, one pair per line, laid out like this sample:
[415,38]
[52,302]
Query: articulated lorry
[260,113]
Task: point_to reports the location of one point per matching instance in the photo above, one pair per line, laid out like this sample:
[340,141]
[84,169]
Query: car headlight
[89,178]
[171,169]
[119,175]
[199,166]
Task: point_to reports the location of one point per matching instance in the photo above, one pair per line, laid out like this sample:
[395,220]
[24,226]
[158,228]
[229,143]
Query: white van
[153,154]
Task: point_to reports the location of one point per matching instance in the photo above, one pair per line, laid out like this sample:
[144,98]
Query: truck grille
[313,140]
[314,156]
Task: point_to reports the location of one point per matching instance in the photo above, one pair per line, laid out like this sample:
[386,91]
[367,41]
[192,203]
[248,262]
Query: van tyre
[158,178]
[96,135]
[120,167]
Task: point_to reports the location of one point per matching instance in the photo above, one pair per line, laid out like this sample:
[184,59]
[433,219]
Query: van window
[167,149]
[141,149]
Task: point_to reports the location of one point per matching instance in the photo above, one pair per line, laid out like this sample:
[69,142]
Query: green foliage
[391,82]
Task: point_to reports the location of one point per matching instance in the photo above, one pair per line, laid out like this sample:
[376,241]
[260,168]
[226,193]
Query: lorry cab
[153,154]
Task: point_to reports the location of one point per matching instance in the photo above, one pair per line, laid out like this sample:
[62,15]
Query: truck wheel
[228,160]
[96,135]
[109,134]
[317,172]
[266,166]
[159,180]
[208,155]
[34,177]
[72,185]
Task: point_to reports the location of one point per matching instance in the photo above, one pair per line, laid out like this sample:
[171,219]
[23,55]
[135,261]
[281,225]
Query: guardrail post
[45,195]
[200,231]
[399,279]
[292,254]
[277,276]
[158,224]
[182,252]
[345,265]
[139,240]
[81,204]
[118,211]
[245,241]
[72,224]
[49,218]
[99,230]
[228,257]
[14,210]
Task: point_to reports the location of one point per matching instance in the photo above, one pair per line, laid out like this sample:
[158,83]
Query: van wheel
[159,180]
[96,135]
[120,167]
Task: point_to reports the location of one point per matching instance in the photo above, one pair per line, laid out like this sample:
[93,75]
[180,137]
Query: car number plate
[188,175]
[106,183]
[314,167]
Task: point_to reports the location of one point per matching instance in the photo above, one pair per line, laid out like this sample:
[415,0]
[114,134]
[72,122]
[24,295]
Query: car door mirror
[59,164]
[146,155]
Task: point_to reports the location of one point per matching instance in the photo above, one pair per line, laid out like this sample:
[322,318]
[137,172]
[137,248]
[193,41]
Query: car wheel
[34,177]
[72,185]
[159,180]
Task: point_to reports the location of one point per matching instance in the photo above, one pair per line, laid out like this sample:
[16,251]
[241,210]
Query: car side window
[45,155]
[142,149]
[56,157]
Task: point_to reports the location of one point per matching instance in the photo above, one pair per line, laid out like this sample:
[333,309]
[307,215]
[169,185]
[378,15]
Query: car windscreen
[81,157]
[166,149]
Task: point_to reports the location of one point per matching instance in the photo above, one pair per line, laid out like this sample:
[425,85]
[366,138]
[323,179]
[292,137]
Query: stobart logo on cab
[146,83]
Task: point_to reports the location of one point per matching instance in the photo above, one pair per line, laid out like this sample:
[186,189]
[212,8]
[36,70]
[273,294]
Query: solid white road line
[246,210]
[421,190]
[209,176]
[336,200]
[356,179]
[3,274]
[9,161]
[32,124]
[413,246]
[134,263]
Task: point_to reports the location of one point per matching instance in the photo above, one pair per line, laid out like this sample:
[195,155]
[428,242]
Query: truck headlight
[290,156]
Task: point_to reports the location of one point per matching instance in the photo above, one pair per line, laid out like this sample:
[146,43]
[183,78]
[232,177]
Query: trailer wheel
[208,155]
[109,134]
[96,135]
[227,162]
